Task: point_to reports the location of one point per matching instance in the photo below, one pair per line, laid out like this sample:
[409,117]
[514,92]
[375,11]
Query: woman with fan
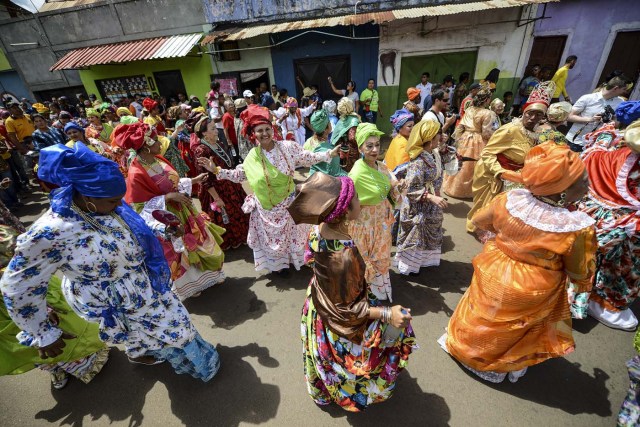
[153,184]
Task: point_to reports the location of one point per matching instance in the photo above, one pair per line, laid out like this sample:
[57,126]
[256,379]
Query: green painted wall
[195,72]
[4,62]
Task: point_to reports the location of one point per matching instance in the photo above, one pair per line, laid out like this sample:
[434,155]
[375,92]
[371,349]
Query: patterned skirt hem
[411,260]
[84,369]
[194,281]
[264,262]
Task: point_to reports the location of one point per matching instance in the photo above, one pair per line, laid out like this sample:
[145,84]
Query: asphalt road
[254,320]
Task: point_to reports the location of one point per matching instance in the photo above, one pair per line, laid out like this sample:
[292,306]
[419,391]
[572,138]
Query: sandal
[145,360]
[59,379]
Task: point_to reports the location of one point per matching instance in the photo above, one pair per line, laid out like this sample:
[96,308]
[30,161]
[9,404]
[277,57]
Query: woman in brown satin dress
[359,346]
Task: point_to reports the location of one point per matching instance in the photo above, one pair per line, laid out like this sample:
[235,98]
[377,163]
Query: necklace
[152,165]
[559,204]
[96,225]
[218,151]
[383,194]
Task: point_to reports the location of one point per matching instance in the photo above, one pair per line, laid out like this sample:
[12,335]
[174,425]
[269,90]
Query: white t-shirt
[353,96]
[431,115]
[588,106]
[216,112]
[425,90]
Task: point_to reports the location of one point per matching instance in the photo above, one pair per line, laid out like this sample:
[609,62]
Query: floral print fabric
[105,281]
[353,375]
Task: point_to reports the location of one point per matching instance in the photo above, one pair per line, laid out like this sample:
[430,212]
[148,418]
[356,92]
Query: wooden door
[316,70]
[546,52]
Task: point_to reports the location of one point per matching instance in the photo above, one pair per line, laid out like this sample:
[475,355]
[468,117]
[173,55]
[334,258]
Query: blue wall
[11,82]
[364,53]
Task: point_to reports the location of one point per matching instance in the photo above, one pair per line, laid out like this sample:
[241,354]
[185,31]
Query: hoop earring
[563,199]
[148,150]
[89,206]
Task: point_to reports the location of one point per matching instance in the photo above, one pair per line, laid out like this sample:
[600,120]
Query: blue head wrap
[92,175]
[628,112]
[400,117]
[73,125]
[267,100]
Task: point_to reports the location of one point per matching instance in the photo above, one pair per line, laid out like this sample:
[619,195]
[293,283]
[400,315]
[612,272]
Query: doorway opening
[546,52]
[315,71]
[170,83]
[624,56]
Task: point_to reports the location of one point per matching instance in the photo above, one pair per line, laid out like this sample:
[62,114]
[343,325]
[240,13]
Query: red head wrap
[149,104]
[253,116]
[134,136]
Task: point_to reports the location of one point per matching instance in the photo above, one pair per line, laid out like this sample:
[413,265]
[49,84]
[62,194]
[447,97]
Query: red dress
[232,195]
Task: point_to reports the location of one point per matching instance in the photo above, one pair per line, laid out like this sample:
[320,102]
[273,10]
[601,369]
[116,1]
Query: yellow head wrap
[123,111]
[632,136]
[424,131]
[198,110]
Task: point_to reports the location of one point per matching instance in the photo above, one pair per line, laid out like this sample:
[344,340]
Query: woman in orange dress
[515,313]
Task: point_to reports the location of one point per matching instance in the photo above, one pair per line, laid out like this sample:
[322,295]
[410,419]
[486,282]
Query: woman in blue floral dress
[354,349]
[114,269]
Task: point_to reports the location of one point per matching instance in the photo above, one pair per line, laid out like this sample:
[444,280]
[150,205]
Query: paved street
[254,320]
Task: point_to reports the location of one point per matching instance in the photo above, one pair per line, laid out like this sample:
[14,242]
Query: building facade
[604,36]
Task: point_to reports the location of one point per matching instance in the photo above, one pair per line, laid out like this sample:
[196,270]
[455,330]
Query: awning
[137,50]
[364,18]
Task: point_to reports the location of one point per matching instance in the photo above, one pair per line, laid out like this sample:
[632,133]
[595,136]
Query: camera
[608,114]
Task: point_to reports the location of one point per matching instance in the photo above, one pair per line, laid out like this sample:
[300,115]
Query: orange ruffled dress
[516,313]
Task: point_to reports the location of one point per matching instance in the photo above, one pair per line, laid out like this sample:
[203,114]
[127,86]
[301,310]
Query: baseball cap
[247,93]
[474,86]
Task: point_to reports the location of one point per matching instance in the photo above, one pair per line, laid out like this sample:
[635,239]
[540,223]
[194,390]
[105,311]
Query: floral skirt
[617,279]
[198,358]
[349,374]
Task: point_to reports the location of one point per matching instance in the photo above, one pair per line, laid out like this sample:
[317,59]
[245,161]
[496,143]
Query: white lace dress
[275,239]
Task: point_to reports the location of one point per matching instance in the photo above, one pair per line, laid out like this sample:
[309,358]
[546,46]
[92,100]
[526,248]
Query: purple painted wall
[589,22]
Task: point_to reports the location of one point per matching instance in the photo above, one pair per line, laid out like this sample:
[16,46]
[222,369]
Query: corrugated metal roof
[363,18]
[138,50]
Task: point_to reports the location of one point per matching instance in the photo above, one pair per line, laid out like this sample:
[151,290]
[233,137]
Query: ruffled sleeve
[39,253]
[236,175]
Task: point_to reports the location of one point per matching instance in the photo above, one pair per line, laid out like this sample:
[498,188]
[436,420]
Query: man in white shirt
[424,86]
[586,114]
[440,107]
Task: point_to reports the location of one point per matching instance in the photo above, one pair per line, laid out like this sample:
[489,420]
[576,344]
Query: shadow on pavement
[295,280]
[457,208]
[119,393]
[409,405]
[420,299]
[559,383]
[228,304]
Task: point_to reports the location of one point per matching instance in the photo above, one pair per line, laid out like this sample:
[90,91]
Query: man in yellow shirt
[560,79]
[19,129]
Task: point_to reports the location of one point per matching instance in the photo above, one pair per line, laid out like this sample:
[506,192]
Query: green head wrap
[342,127]
[319,121]
[91,112]
[128,120]
[364,131]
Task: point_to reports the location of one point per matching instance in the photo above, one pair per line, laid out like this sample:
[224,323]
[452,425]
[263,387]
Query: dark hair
[38,115]
[437,94]
[464,76]
[352,83]
[571,58]
[448,78]
[314,87]
[618,81]
[614,73]
[371,79]
[426,74]
[283,92]
[507,93]
[214,85]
